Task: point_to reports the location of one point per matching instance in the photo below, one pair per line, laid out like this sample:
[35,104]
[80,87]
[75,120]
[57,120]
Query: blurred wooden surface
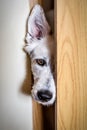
[43,117]
[33,2]
[71,22]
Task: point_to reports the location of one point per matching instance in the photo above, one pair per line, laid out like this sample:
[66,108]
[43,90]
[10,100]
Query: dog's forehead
[43,48]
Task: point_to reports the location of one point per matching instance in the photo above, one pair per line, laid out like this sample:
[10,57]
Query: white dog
[40,47]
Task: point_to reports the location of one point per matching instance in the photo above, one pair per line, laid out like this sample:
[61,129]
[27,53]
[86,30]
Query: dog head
[40,47]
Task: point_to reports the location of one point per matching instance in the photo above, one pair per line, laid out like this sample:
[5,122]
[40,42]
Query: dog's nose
[44,95]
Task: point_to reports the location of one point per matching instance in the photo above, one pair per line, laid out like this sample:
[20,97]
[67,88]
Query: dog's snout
[44,95]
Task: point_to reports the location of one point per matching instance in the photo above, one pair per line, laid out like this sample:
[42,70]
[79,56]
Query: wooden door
[71,37]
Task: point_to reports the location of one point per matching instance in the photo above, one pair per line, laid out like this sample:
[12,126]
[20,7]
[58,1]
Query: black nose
[44,95]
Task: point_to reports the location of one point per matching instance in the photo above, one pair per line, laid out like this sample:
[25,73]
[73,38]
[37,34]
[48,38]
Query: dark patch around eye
[41,62]
[38,38]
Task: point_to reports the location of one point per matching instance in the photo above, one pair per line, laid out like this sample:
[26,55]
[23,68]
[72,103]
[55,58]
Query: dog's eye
[41,62]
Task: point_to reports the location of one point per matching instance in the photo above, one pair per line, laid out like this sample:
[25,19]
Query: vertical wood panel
[33,2]
[37,116]
[71,64]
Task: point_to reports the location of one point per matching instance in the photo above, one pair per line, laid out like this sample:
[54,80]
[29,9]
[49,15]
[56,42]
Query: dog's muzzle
[44,95]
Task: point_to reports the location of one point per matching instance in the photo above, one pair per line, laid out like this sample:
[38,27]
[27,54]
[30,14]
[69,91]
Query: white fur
[40,48]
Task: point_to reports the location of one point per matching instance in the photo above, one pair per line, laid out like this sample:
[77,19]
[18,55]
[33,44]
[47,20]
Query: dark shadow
[48,5]
[27,83]
[48,114]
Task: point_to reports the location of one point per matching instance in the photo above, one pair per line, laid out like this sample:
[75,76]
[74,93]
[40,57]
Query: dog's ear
[37,24]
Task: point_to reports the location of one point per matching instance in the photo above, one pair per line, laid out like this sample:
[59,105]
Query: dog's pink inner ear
[36,32]
[37,24]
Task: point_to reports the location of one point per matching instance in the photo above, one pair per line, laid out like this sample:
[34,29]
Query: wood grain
[71,36]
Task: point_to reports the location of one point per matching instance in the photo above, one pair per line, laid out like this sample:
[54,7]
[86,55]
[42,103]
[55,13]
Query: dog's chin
[49,103]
